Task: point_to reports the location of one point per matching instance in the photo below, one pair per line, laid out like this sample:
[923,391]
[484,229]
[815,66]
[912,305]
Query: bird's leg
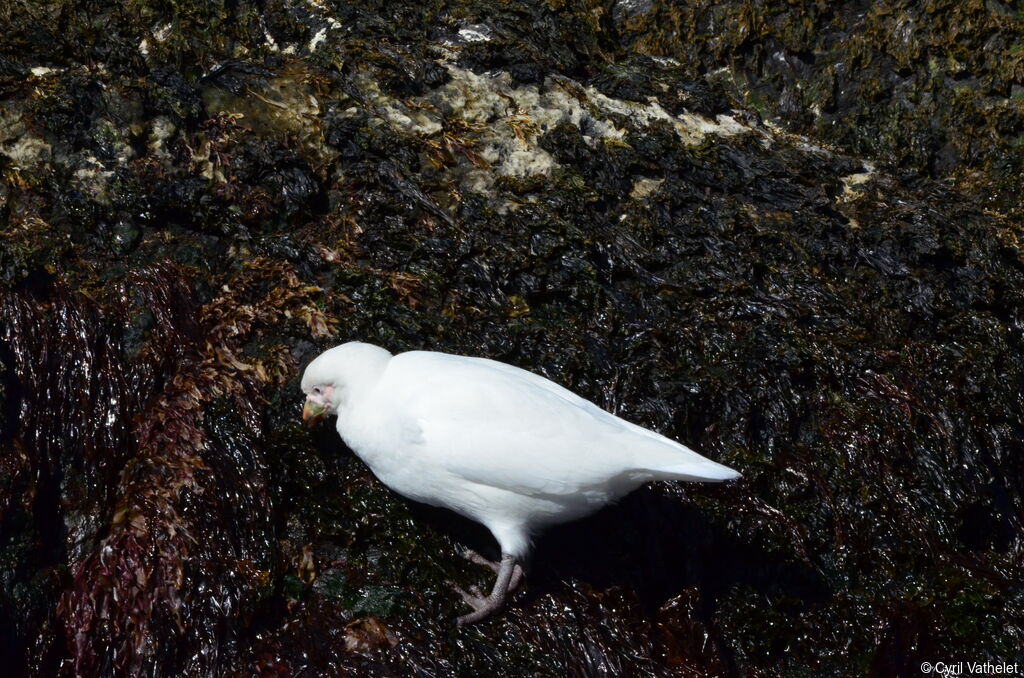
[484,607]
[477,559]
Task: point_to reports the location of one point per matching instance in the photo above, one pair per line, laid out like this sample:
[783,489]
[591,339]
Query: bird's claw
[510,574]
[473,597]
[473,593]
[483,607]
[477,559]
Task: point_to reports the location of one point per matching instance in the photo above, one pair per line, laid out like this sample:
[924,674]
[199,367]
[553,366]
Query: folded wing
[497,425]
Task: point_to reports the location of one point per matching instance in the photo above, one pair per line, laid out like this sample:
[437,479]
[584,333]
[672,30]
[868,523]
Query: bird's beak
[312,413]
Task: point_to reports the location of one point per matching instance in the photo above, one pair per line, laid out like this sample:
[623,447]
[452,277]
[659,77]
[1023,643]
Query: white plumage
[497,444]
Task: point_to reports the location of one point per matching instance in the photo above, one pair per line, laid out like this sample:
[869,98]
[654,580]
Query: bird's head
[338,375]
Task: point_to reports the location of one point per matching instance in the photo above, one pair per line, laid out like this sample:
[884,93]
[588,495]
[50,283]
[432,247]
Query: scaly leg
[485,606]
[477,559]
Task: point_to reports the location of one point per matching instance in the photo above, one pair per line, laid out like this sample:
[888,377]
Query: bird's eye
[316,390]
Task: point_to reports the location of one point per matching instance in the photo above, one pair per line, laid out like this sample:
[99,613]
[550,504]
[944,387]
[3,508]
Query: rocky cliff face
[788,236]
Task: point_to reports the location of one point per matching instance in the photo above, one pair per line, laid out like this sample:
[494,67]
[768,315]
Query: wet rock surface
[197,198]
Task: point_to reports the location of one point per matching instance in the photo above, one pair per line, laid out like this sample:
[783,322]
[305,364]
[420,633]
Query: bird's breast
[391,452]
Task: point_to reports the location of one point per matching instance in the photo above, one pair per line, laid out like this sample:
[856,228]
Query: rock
[823,289]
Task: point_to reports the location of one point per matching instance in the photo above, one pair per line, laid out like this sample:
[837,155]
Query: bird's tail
[665,459]
[705,471]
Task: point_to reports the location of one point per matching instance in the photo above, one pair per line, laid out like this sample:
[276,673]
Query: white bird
[499,445]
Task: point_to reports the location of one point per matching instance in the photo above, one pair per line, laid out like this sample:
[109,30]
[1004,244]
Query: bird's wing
[500,426]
